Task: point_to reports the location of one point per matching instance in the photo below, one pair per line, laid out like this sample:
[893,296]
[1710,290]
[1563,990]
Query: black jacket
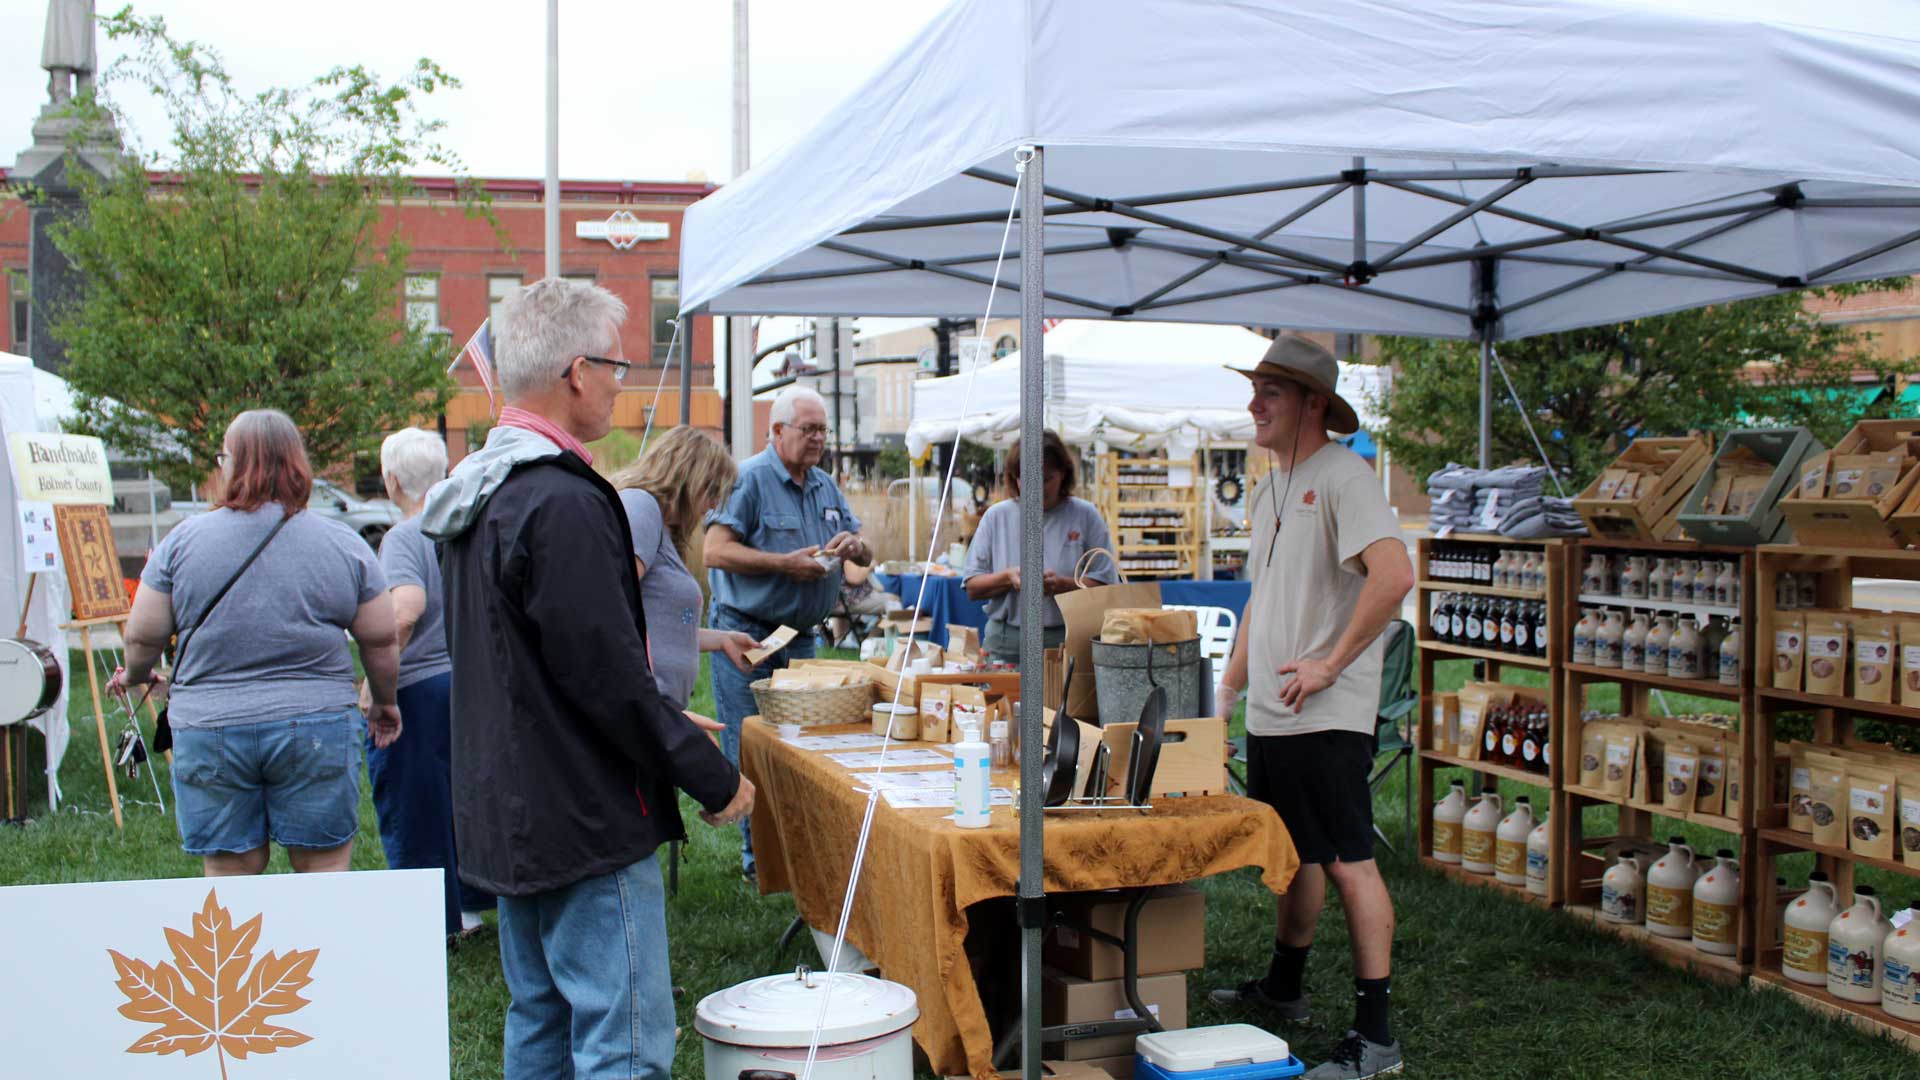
[565,756]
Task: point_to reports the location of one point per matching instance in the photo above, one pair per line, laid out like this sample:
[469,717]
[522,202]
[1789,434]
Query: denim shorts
[295,781]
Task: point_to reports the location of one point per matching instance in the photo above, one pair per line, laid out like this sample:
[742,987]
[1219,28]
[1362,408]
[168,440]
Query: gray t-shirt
[276,647]
[669,596]
[407,557]
[1071,529]
[1303,600]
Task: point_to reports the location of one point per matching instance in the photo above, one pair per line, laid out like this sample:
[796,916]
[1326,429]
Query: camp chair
[1397,698]
[1217,626]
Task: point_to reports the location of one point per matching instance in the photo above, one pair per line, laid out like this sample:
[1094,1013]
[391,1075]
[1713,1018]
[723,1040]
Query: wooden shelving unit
[1575,854]
[1493,662]
[1833,719]
[1156,525]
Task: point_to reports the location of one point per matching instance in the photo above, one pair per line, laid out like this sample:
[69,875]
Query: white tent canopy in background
[1346,164]
[1134,386]
[32,400]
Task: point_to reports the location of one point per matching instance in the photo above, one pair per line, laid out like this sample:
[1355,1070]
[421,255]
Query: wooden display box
[1861,523]
[1651,514]
[1787,449]
[1193,757]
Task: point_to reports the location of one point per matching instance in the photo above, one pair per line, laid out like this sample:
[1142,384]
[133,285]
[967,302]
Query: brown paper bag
[1682,772]
[1593,750]
[1910,663]
[1617,769]
[1871,813]
[963,642]
[1800,791]
[1827,634]
[1874,658]
[1084,609]
[1789,645]
[1054,685]
[1710,790]
[1813,477]
[1908,785]
[1827,786]
[936,709]
[1446,720]
[1148,626]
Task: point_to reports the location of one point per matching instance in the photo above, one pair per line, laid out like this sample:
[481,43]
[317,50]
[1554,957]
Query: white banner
[278,977]
[69,470]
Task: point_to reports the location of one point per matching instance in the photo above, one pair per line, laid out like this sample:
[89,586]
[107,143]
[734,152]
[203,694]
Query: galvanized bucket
[1124,675]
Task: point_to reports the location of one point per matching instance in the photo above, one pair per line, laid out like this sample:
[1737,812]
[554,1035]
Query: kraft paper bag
[1084,610]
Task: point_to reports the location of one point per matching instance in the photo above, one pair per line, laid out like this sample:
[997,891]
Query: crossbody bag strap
[180,639]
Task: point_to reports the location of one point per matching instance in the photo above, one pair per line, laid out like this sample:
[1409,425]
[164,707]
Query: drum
[30,679]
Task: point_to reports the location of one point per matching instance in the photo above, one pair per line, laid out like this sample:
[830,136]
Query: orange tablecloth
[922,872]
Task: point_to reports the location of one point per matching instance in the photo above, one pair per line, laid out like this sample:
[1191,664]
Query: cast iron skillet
[1063,750]
[1146,747]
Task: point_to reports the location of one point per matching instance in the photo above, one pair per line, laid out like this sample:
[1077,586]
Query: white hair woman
[413,779]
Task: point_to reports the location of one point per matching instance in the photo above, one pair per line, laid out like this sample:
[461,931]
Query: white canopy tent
[1134,386]
[1485,169]
[33,400]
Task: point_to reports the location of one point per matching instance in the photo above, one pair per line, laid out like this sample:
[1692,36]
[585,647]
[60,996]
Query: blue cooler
[1225,1052]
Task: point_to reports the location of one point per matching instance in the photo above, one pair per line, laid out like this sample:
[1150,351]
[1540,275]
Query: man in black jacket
[568,757]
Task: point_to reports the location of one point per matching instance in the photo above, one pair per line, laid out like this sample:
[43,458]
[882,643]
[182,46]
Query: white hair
[786,403]
[415,458]
[546,325]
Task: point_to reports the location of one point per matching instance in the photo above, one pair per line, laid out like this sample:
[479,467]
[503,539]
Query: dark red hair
[267,463]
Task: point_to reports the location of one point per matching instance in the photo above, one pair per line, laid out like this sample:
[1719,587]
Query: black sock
[1287,971]
[1372,996]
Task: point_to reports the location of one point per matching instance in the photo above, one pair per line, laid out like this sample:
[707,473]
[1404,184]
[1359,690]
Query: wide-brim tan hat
[1299,360]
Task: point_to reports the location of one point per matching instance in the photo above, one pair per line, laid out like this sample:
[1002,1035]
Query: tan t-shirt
[1303,600]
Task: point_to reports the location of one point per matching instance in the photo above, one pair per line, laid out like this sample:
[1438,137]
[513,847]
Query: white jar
[1716,907]
[1583,633]
[1855,964]
[1477,834]
[1447,815]
[1900,980]
[1670,891]
[1660,581]
[1804,945]
[1510,844]
[1656,645]
[1683,650]
[1539,858]
[1623,891]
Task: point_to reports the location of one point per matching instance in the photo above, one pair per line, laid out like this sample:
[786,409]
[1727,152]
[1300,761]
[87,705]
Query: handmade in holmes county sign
[66,470]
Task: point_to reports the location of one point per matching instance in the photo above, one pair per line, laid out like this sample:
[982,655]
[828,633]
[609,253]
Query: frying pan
[1146,747]
[1063,749]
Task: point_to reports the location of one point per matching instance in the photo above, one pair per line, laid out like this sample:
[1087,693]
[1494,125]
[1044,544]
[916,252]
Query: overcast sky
[644,86]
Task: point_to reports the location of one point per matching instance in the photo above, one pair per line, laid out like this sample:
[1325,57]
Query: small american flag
[479,351]
[1049,324]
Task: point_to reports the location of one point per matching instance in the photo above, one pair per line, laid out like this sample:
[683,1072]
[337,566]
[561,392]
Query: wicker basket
[814,707]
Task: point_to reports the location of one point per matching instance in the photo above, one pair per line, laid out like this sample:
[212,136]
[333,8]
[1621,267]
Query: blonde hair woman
[667,492]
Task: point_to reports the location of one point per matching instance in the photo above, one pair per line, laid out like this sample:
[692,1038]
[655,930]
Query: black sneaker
[1357,1058]
[1254,992]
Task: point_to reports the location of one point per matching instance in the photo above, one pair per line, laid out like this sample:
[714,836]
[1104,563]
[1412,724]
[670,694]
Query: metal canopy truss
[1296,250]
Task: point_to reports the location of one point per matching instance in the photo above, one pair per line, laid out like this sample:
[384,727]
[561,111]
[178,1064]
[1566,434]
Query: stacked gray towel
[1508,501]
[1541,517]
[1450,497]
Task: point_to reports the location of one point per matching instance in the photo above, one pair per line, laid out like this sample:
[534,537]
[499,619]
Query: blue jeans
[296,782]
[587,968]
[413,793]
[733,694]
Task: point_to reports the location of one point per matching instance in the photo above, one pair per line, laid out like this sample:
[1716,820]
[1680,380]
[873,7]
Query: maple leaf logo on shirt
[1308,498]
[208,999]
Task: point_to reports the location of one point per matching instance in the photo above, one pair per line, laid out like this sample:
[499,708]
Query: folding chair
[1397,698]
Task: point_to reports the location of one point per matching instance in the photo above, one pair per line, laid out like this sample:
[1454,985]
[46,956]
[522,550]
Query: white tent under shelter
[1477,169]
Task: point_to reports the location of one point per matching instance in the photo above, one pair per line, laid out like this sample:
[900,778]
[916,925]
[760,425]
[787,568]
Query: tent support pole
[1486,317]
[1033,612]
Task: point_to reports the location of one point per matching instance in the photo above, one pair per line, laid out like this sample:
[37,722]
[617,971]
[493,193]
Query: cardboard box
[1067,999]
[1072,1070]
[1120,1067]
[1173,933]
[907,621]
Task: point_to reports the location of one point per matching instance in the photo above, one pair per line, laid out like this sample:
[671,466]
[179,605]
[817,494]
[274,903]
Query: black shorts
[1318,783]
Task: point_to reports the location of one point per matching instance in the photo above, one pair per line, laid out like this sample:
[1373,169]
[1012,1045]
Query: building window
[1006,346]
[19,308]
[500,289]
[666,308]
[423,302]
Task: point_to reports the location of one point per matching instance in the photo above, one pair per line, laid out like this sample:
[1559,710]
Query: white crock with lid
[767,1024]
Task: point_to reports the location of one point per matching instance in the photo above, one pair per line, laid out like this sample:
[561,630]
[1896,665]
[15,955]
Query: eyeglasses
[619,366]
[811,431]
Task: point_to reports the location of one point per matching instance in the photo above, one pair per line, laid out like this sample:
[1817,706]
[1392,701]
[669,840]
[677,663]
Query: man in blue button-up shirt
[773,556]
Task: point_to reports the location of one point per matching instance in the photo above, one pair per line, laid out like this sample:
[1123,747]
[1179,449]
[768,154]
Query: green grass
[1486,987]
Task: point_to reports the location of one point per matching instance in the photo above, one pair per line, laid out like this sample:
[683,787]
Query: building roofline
[614,189]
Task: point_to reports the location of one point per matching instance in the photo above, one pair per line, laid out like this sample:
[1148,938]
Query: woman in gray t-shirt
[266,728]
[679,478]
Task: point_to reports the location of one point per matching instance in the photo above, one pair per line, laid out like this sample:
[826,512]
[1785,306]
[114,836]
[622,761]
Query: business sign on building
[621,229]
[66,470]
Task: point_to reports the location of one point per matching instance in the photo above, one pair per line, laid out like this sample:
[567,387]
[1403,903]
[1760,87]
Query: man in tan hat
[1329,570]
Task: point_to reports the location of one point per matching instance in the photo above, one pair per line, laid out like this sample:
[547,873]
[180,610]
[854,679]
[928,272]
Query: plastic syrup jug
[1633,580]
[1476,834]
[1598,579]
[1900,981]
[1660,581]
[1606,641]
[1622,891]
[1703,582]
[1656,650]
[1670,891]
[1583,634]
[1539,856]
[1726,586]
[1730,656]
[1633,643]
[1855,964]
[1510,844]
[1683,650]
[1716,907]
[1447,816]
[1804,955]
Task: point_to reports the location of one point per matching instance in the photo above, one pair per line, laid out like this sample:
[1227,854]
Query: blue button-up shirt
[771,513]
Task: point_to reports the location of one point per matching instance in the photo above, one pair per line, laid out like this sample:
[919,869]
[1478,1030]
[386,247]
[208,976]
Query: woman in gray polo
[1073,527]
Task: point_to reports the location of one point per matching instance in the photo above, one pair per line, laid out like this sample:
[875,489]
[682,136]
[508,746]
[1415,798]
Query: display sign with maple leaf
[213,997]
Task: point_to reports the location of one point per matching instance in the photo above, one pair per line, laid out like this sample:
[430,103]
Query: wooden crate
[1655,514]
[1861,523]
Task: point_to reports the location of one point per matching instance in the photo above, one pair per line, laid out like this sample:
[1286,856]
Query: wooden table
[921,874]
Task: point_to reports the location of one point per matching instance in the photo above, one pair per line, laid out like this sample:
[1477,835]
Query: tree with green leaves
[240,265]
[1766,362]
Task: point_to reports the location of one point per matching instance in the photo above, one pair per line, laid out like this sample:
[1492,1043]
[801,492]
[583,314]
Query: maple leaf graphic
[210,1000]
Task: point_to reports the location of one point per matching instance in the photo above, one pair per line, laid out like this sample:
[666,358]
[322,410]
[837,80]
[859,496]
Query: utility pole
[739,328]
[553,139]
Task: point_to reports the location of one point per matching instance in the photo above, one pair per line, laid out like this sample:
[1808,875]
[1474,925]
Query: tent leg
[1033,388]
[1486,400]
[913,508]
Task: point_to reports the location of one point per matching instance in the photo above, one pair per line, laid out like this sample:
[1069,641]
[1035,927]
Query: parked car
[371,518]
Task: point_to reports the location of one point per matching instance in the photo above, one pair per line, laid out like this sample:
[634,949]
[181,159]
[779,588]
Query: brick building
[459,270]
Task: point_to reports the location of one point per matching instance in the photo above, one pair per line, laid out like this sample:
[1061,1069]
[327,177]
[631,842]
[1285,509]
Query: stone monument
[67,53]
